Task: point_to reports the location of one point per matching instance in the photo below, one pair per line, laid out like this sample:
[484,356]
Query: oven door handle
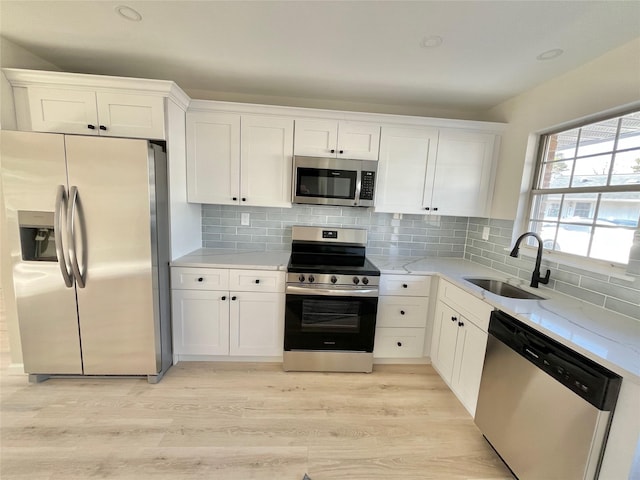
[330,292]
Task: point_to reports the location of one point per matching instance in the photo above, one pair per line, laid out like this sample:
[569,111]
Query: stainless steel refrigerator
[87,221]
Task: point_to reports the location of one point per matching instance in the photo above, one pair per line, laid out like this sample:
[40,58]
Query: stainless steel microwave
[334,181]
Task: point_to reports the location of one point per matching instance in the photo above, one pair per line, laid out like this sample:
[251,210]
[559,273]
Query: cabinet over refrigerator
[87,228]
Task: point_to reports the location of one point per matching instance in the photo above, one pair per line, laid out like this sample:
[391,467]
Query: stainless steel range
[331,301]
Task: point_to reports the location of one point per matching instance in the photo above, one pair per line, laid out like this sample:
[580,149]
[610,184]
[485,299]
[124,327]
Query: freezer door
[113,217]
[33,171]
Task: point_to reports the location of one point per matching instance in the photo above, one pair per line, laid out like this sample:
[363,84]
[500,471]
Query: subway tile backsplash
[416,235]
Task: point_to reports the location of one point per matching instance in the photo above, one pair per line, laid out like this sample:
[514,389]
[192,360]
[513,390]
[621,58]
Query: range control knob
[365,281]
[311,279]
[356,280]
[334,279]
[301,278]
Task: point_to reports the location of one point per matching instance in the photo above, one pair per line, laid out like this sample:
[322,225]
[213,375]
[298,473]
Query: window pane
[546,207]
[573,238]
[611,243]
[630,132]
[620,209]
[579,207]
[598,137]
[562,145]
[592,171]
[547,232]
[556,174]
[626,168]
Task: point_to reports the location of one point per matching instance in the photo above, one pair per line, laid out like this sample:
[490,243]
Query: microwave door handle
[358,186]
[71,229]
[61,203]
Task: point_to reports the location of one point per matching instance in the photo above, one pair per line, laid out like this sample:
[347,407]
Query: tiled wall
[613,293]
[416,235]
[270,229]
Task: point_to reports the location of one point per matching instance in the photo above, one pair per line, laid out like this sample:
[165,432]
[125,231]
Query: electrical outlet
[485,233]
[244,219]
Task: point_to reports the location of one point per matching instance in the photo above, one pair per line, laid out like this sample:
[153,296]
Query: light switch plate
[485,233]
[244,218]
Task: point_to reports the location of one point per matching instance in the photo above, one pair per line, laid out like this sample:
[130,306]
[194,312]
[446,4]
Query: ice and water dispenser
[37,239]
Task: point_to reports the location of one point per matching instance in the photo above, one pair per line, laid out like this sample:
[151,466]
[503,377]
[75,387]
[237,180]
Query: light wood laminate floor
[242,421]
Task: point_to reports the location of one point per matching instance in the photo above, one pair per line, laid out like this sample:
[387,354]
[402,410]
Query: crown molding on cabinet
[22,78]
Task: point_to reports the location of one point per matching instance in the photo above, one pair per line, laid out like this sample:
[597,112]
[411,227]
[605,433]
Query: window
[586,198]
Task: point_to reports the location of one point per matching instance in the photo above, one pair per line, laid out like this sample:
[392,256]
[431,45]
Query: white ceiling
[352,51]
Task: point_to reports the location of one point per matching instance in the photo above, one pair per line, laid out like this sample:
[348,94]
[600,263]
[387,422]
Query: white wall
[608,83]
[12,55]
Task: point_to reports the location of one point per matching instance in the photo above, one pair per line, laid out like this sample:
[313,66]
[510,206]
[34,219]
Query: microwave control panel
[368,181]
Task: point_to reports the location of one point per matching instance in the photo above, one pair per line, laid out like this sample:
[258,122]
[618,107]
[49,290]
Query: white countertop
[611,339]
[608,338]
[230,258]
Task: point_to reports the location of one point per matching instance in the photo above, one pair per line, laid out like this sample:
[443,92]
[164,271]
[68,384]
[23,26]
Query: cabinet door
[266,161]
[443,347]
[213,158]
[257,324]
[133,116]
[407,158]
[316,138]
[463,181]
[470,352]
[360,141]
[200,322]
[63,110]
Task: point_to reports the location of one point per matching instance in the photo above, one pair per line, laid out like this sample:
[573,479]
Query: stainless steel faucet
[535,277]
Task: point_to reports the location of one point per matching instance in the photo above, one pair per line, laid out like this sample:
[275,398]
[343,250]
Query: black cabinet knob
[427,208]
[460,324]
[341,152]
[332,151]
[200,279]
[91,127]
[235,198]
[102,127]
[404,285]
[401,312]
[223,298]
[435,209]
[399,344]
[244,199]
[233,298]
[257,280]
[454,319]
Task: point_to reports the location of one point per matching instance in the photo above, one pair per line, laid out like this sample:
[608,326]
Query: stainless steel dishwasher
[544,408]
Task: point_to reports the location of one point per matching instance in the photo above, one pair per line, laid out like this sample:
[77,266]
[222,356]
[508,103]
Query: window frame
[536,193]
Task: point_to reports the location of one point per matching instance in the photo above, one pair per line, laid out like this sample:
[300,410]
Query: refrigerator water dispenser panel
[37,239]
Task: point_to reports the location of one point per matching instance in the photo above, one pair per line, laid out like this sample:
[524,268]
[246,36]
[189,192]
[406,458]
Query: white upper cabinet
[463,178]
[405,169]
[235,159]
[335,138]
[435,171]
[213,158]
[266,156]
[90,112]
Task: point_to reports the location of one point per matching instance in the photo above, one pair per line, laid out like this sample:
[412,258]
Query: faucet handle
[545,279]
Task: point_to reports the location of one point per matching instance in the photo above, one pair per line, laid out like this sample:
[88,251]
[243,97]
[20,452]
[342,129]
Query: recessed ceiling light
[128,13]
[432,41]
[550,54]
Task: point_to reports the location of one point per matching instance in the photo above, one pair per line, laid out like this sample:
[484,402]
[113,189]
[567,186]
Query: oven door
[318,318]
[326,181]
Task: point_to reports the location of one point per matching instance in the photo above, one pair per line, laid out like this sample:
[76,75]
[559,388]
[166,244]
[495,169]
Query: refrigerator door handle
[73,257]
[61,201]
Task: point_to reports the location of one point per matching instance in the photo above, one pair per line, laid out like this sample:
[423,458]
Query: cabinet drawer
[466,304]
[256,280]
[402,312]
[399,343]
[405,285]
[188,278]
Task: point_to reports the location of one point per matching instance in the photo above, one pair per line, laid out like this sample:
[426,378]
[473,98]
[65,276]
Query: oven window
[317,182]
[330,315]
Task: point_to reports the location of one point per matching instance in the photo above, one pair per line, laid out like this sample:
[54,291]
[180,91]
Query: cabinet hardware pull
[454,319]
[399,344]
[332,151]
[224,298]
[435,209]
[244,199]
[460,324]
[102,127]
[200,279]
[233,298]
[404,285]
[426,208]
[401,312]
[235,198]
[91,127]
[257,280]
[341,151]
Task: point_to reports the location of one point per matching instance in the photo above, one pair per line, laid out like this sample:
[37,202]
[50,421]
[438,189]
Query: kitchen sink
[503,289]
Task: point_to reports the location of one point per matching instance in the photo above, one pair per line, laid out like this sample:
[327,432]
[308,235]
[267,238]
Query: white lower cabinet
[227,312]
[459,341]
[402,316]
